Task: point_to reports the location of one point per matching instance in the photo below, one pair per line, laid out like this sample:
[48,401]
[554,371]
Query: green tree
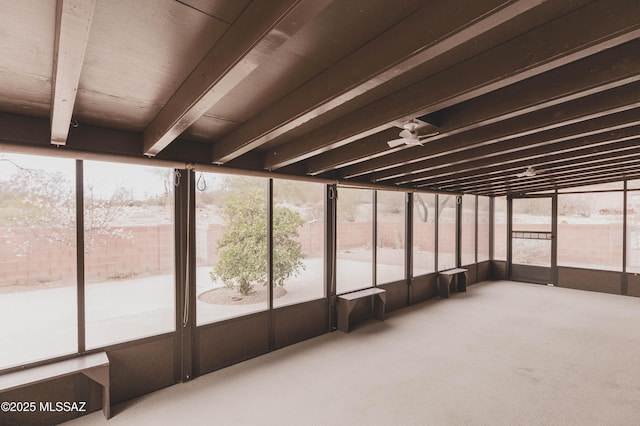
[243,246]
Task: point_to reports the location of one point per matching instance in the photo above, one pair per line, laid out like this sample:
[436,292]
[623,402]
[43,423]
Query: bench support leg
[459,280]
[461,284]
[444,283]
[378,306]
[344,311]
[101,376]
[346,306]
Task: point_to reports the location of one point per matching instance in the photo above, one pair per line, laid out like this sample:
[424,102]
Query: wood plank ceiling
[319,87]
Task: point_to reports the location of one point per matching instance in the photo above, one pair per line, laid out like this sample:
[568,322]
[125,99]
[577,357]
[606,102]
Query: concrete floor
[503,353]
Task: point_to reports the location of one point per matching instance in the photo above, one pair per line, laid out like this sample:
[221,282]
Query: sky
[106,177]
[142,181]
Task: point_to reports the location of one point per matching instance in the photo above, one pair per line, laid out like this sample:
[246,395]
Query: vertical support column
[270,263]
[492,221]
[185,275]
[408,249]
[374,236]
[191,278]
[554,238]
[476,231]
[80,295]
[179,238]
[509,239]
[436,221]
[624,288]
[458,231]
[330,205]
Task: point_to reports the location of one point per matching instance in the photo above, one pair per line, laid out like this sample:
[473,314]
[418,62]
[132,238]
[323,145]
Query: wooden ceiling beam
[594,172]
[258,32]
[545,48]
[577,177]
[405,46]
[73,24]
[501,192]
[22,129]
[565,152]
[599,161]
[364,149]
[500,138]
[613,149]
[632,172]
[545,177]
[33,132]
[520,133]
[595,74]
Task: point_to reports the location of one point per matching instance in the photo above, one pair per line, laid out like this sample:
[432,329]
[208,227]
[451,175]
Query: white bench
[457,276]
[94,366]
[346,302]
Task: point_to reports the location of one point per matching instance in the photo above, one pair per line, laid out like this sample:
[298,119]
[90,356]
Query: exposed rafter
[594,74]
[614,138]
[574,179]
[406,45]
[73,24]
[557,178]
[259,31]
[313,89]
[523,132]
[529,54]
[553,165]
[575,150]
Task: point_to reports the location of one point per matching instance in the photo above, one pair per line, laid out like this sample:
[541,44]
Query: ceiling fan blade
[414,136]
[530,172]
[396,142]
[428,135]
[407,134]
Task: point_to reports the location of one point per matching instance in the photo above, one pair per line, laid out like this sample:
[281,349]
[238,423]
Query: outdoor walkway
[41,324]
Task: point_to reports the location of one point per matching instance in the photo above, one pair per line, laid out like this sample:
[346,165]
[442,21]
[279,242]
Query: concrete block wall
[144,249]
[150,249]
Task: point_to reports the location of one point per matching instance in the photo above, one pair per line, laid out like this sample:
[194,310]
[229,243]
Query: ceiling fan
[530,172]
[409,136]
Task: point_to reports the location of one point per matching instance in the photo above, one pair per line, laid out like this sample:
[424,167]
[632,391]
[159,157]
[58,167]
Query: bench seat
[346,303]
[94,366]
[455,276]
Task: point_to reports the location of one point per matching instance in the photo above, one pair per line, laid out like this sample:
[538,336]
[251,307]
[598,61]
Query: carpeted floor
[503,353]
